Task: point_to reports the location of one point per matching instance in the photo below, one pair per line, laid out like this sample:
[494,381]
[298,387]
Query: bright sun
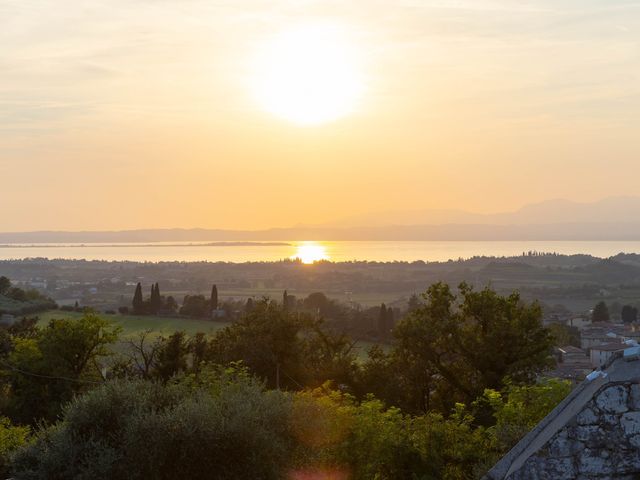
[308,75]
[310,252]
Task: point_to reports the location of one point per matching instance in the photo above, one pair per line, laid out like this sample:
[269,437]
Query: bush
[11,437]
[196,429]
[363,441]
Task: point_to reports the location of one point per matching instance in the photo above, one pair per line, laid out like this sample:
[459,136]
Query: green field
[132,325]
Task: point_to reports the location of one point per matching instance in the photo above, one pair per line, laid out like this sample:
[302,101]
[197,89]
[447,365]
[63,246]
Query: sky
[121,114]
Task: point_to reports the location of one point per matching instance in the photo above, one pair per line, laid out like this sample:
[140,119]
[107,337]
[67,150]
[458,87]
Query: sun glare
[310,252]
[308,75]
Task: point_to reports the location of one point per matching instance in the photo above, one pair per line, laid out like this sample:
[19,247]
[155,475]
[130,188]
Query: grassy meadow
[133,324]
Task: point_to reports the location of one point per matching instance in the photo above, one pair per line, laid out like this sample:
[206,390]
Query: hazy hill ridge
[614,218]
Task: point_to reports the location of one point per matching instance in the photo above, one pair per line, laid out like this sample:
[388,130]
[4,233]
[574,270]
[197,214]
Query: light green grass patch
[132,325]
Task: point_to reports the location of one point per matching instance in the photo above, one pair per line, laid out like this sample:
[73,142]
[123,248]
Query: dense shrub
[363,441]
[222,424]
[11,437]
[218,429]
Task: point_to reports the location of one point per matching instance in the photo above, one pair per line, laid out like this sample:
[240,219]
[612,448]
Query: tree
[155,301]
[171,305]
[172,356]
[285,300]
[76,344]
[138,302]
[474,343]
[5,285]
[564,335]
[397,379]
[328,356]
[600,313]
[268,340]
[198,346]
[629,314]
[11,437]
[143,353]
[195,306]
[317,303]
[17,294]
[45,371]
[214,298]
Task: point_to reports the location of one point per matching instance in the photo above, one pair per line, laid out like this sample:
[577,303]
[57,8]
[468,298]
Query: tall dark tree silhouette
[472,341]
[138,302]
[629,314]
[155,301]
[214,297]
[285,300]
[5,285]
[600,313]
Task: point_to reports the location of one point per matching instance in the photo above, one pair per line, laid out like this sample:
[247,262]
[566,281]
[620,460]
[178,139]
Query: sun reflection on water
[310,252]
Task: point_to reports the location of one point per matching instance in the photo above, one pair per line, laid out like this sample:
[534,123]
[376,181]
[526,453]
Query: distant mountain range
[609,210]
[614,218]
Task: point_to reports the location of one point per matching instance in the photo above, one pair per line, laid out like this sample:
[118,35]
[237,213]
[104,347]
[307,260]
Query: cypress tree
[155,301]
[214,297]
[137,299]
[285,300]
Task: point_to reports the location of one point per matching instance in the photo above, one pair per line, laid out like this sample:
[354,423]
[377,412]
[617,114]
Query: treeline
[371,322]
[196,306]
[278,394]
[17,301]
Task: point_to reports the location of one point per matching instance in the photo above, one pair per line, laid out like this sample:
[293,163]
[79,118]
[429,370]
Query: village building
[600,354]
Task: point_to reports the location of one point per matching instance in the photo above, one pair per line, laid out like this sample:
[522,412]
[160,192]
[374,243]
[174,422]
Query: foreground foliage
[46,367]
[224,424]
[225,428]
[11,437]
[278,395]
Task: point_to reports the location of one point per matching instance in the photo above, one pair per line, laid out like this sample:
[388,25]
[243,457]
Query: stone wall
[600,442]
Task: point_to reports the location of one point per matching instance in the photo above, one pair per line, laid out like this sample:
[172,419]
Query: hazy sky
[118,114]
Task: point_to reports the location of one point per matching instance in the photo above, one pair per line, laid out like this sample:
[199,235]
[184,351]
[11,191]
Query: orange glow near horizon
[327,114]
[310,252]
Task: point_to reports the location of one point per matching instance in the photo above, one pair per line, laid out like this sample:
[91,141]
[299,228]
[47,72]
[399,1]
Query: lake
[338,251]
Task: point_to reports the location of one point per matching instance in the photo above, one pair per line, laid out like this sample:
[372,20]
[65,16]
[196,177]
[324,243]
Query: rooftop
[571,349]
[609,347]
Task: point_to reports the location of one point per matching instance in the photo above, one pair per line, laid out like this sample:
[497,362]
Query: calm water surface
[310,251]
